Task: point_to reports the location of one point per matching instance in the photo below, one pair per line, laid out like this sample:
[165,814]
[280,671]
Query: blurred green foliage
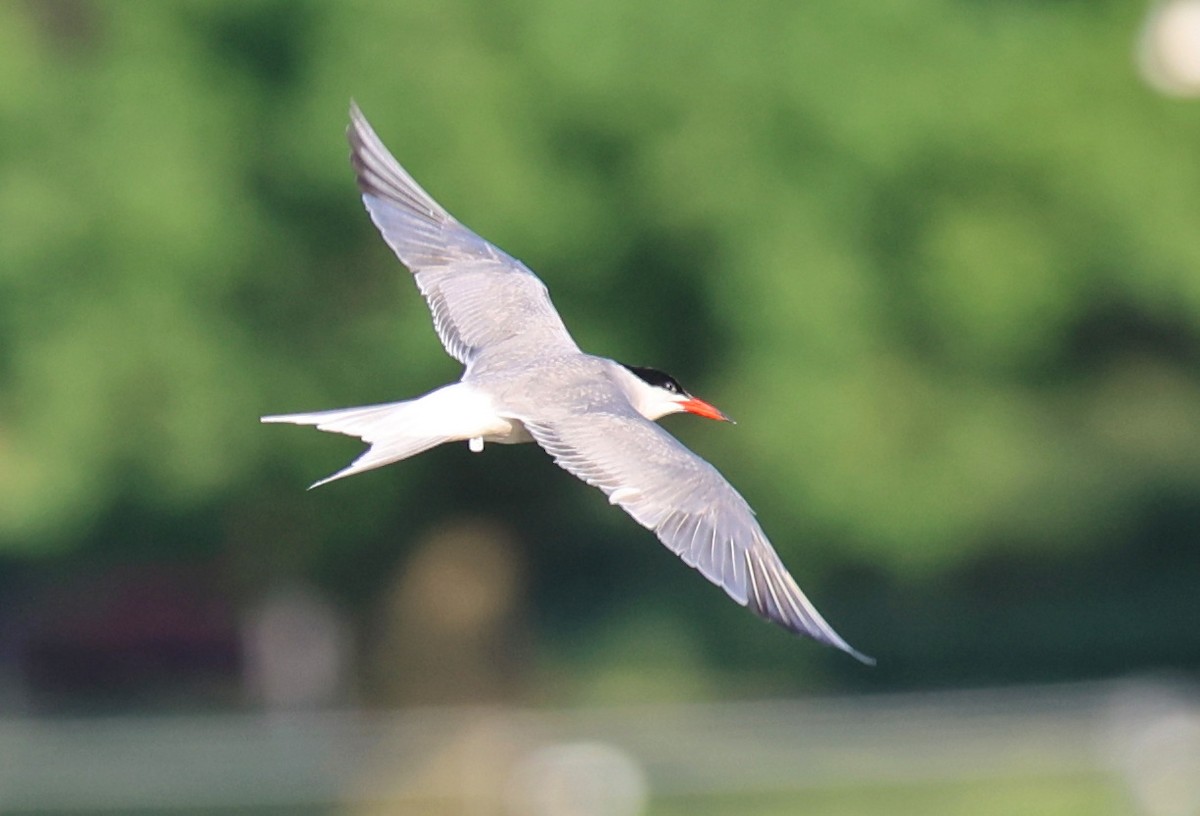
[1082,794]
[940,258]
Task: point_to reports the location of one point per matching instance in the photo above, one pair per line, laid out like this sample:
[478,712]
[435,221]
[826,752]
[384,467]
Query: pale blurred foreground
[1121,747]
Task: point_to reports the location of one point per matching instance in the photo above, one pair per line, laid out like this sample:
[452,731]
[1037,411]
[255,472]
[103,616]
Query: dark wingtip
[776,598]
[834,640]
[356,137]
[378,173]
[866,660]
[357,119]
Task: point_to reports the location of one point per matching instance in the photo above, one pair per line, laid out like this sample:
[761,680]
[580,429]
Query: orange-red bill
[701,408]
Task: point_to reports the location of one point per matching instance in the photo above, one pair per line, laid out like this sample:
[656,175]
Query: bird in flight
[525,380]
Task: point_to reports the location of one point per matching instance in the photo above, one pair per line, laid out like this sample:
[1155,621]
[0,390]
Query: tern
[525,380]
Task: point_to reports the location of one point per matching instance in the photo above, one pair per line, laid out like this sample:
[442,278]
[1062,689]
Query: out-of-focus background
[940,258]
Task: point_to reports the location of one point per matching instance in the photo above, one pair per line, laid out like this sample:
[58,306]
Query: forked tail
[395,431]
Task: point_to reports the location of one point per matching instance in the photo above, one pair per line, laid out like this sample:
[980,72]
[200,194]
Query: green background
[940,259]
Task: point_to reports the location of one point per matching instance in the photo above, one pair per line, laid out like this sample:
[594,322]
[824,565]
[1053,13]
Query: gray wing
[694,511]
[480,297]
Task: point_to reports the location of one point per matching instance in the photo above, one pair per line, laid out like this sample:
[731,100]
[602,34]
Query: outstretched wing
[690,506]
[481,298]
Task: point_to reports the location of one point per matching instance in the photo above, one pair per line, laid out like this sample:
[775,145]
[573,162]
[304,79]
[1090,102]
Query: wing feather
[690,506]
[480,297]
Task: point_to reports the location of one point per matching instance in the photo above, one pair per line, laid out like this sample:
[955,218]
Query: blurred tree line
[940,258]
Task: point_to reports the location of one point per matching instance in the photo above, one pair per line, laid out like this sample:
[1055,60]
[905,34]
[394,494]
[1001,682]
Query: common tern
[525,380]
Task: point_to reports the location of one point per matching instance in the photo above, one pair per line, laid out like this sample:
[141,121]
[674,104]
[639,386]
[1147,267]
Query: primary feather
[525,378]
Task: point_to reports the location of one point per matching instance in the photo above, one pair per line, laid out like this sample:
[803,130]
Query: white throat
[648,400]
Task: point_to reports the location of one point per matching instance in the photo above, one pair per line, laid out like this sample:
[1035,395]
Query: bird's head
[656,393]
